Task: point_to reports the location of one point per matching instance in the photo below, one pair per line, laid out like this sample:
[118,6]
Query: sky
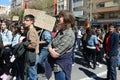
[5,2]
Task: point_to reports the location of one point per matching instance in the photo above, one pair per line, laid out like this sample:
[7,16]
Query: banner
[42,20]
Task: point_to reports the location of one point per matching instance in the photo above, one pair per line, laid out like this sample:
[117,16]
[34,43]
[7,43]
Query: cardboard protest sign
[42,20]
[15,18]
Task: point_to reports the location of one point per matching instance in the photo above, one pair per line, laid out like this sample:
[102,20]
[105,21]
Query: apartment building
[79,10]
[62,5]
[16,5]
[78,7]
[106,11]
[4,11]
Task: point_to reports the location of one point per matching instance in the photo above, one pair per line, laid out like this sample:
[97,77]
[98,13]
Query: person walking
[110,45]
[60,49]
[79,36]
[91,48]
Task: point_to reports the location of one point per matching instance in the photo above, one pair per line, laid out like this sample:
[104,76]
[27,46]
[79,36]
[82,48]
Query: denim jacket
[92,41]
[6,37]
[46,36]
[16,39]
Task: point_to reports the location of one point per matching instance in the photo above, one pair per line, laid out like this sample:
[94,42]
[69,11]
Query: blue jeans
[60,75]
[42,57]
[111,67]
[32,73]
[78,43]
[73,57]
[73,54]
[119,59]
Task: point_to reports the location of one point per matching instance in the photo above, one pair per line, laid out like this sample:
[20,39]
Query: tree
[44,5]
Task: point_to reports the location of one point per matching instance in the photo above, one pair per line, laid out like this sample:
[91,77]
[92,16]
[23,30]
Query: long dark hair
[90,32]
[17,28]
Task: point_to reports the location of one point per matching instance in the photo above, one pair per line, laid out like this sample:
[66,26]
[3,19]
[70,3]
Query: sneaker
[14,78]
[73,64]
[100,65]
[91,65]
[97,63]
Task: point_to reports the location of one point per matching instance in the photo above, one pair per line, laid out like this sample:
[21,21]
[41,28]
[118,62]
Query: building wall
[77,8]
[106,11]
[62,5]
[4,9]
[99,1]
[16,5]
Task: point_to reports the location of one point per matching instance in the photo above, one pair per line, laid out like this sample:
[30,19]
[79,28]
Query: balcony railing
[108,20]
[106,9]
[99,1]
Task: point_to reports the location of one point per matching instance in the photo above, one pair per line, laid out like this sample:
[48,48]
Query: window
[76,0]
[60,0]
[100,5]
[77,8]
[101,16]
[113,15]
[62,6]
[59,7]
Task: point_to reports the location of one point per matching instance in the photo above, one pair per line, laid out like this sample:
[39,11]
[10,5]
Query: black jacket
[19,49]
[114,43]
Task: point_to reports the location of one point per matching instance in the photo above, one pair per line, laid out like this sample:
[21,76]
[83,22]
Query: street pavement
[80,72]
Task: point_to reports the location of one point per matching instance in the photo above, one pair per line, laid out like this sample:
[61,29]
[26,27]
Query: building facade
[4,11]
[16,5]
[62,5]
[106,11]
[78,7]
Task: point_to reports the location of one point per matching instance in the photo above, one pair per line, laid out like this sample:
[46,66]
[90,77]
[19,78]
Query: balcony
[99,1]
[108,20]
[106,9]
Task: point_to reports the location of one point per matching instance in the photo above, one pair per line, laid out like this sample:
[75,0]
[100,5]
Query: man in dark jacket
[110,45]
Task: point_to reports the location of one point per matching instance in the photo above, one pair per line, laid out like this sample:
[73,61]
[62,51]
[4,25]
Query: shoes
[100,65]
[73,64]
[5,77]
[91,64]
[14,78]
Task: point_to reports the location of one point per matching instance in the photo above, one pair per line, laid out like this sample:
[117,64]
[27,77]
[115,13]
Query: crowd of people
[101,46]
[24,47]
